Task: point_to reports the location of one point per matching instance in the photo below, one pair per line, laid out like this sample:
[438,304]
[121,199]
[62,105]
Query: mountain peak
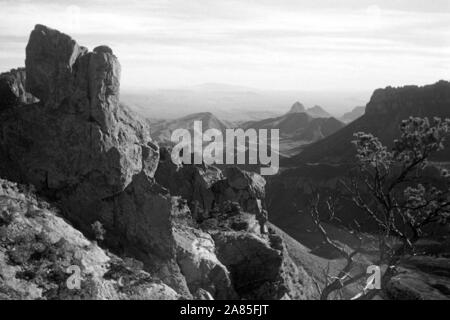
[352,115]
[297,107]
[318,112]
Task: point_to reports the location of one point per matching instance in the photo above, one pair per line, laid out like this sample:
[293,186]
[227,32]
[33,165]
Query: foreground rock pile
[199,233]
[37,247]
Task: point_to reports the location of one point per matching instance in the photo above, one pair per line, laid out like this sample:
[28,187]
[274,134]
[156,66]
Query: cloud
[282,44]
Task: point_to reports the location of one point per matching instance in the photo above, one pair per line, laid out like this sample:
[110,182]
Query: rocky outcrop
[261,268]
[431,98]
[91,155]
[12,89]
[206,188]
[78,144]
[244,188]
[420,278]
[40,254]
[196,257]
[192,182]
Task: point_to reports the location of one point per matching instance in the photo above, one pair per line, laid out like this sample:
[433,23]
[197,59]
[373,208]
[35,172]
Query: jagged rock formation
[206,188]
[192,182]
[245,188]
[84,150]
[162,130]
[12,89]
[37,247]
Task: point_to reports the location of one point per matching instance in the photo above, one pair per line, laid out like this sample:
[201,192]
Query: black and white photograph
[240,151]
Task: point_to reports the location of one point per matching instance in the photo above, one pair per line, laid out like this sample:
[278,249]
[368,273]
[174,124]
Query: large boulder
[192,182]
[199,264]
[260,267]
[78,143]
[244,188]
[420,278]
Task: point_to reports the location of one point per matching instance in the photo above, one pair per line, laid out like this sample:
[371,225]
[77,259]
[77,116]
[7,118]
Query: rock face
[207,189]
[260,270]
[38,248]
[427,99]
[77,143]
[196,256]
[420,278]
[192,182]
[12,89]
[81,148]
[244,188]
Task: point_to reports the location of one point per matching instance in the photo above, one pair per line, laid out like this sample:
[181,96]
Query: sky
[267,44]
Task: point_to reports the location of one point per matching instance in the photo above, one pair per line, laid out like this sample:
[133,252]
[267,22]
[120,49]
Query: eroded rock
[258,270]
[12,89]
[37,248]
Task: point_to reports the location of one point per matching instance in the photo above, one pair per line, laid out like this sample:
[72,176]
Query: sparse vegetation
[395,189]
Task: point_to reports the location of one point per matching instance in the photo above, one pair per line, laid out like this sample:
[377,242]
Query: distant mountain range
[318,112]
[162,130]
[297,107]
[315,112]
[384,113]
[299,125]
[234,103]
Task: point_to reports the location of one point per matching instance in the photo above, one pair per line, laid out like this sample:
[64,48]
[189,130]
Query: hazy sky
[278,44]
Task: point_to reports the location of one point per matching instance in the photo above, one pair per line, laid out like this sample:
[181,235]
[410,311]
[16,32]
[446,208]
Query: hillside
[297,107]
[161,131]
[318,112]
[352,115]
[297,129]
